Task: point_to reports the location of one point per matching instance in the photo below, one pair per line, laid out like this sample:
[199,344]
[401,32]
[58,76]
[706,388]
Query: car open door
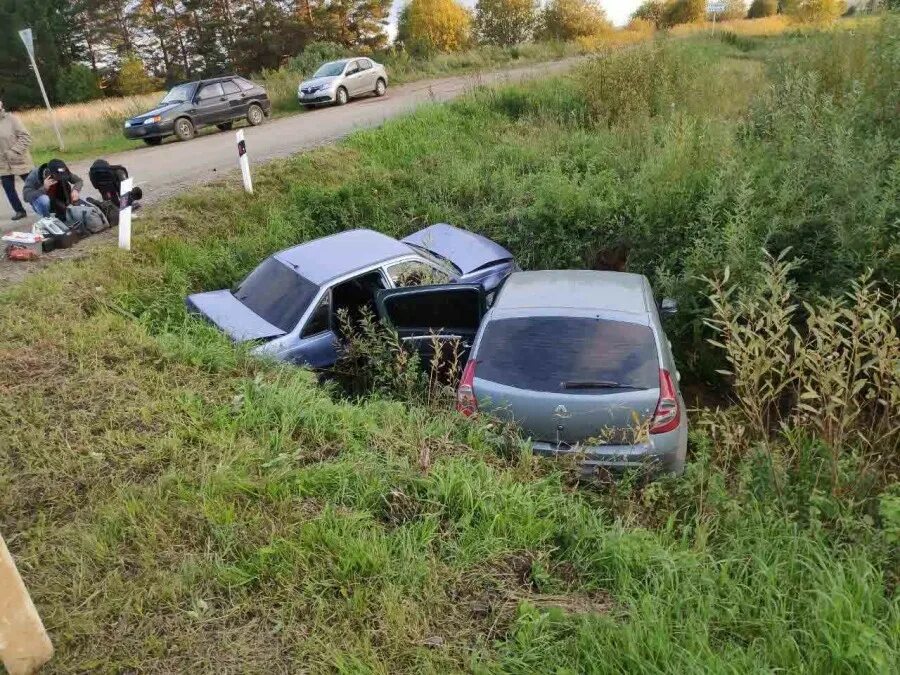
[447,315]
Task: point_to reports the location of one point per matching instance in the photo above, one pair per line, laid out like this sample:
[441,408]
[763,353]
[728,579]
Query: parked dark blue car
[292,300]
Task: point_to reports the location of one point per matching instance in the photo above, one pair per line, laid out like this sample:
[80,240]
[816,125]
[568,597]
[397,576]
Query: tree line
[88,48]
[668,13]
[92,48]
[427,26]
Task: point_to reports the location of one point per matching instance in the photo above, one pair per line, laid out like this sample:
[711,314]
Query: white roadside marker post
[244,161]
[125,214]
[24,643]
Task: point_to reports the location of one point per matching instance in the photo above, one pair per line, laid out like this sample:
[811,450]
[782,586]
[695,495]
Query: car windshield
[570,355]
[438,260]
[277,293]
[179,94]
[331,69]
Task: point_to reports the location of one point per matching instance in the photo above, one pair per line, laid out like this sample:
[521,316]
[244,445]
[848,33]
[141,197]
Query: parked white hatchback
[336,82]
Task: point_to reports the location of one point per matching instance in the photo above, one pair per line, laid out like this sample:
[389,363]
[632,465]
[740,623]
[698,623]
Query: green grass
[79,148]
[175,505]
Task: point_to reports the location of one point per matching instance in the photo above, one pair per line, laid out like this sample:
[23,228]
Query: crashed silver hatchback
[578,359]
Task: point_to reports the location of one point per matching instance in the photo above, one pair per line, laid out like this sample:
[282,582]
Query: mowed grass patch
[176,505]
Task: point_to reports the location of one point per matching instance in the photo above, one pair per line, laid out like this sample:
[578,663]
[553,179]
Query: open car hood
[236,319]
[467,250]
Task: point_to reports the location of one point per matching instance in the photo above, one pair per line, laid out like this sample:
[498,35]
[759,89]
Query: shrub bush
[314,55]
[77,83]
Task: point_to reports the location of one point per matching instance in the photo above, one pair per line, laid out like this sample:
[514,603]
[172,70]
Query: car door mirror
[668,307]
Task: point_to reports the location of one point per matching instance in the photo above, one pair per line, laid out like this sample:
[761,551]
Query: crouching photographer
[52,188]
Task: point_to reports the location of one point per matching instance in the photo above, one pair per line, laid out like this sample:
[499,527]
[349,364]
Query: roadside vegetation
[165,495]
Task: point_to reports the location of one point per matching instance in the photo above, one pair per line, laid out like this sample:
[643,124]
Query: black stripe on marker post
[242,148]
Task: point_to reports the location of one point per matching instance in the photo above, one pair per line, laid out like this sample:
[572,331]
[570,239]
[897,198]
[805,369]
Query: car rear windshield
[568,355]
[277,293]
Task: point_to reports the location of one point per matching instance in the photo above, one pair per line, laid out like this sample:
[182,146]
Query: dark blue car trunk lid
[226,312]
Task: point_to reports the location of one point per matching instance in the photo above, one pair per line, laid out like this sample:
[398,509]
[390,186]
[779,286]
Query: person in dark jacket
[51,188]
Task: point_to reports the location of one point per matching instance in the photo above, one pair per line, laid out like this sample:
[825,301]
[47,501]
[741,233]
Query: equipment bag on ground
[56,233]
[109,209]
[86,218]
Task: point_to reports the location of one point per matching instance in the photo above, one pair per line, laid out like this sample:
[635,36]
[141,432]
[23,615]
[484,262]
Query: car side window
[320,320]
[211,91]
[353,68]
[244,84]
[416,273]
[354,298]
[364,64]
[230,87]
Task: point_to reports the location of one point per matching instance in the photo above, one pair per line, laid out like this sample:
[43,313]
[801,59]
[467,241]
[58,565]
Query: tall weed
[831,375]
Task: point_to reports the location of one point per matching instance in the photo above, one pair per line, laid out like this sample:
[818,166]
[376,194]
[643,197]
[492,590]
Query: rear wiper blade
[598,384]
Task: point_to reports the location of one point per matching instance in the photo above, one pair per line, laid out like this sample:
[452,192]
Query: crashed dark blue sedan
[291,302]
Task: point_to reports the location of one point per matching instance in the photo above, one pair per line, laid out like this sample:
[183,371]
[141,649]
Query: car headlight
[127,124]
[153,120]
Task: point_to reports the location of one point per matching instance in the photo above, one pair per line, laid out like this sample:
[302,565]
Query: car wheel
[255,115]
[184,129]
[380,87]
[341,98]
[156,140]
[225,126]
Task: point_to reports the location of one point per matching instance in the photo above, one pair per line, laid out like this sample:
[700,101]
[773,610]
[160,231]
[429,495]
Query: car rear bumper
[662,453]
[149,130]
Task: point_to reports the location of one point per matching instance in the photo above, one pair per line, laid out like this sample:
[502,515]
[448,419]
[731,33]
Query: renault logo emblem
[561,411]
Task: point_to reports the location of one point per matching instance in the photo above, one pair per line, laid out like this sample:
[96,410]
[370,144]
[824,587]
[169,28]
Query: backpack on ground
[109,208]
[86,218]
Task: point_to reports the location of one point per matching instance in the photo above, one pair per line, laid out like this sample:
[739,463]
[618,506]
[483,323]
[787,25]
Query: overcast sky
[618,11]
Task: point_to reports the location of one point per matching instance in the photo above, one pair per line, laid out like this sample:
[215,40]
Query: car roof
[574,289]
[322,260]
[348,59]
[211,80]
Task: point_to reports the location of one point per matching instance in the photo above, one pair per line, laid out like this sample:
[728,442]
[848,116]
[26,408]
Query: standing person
[51,188]
[15,158]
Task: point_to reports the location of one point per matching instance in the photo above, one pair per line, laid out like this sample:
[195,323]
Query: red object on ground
[19,253]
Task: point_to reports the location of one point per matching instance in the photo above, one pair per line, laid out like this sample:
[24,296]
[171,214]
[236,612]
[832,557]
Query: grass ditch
[165,495]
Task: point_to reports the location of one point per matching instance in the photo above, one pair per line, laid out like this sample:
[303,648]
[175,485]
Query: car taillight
[465,394]
[667,415]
